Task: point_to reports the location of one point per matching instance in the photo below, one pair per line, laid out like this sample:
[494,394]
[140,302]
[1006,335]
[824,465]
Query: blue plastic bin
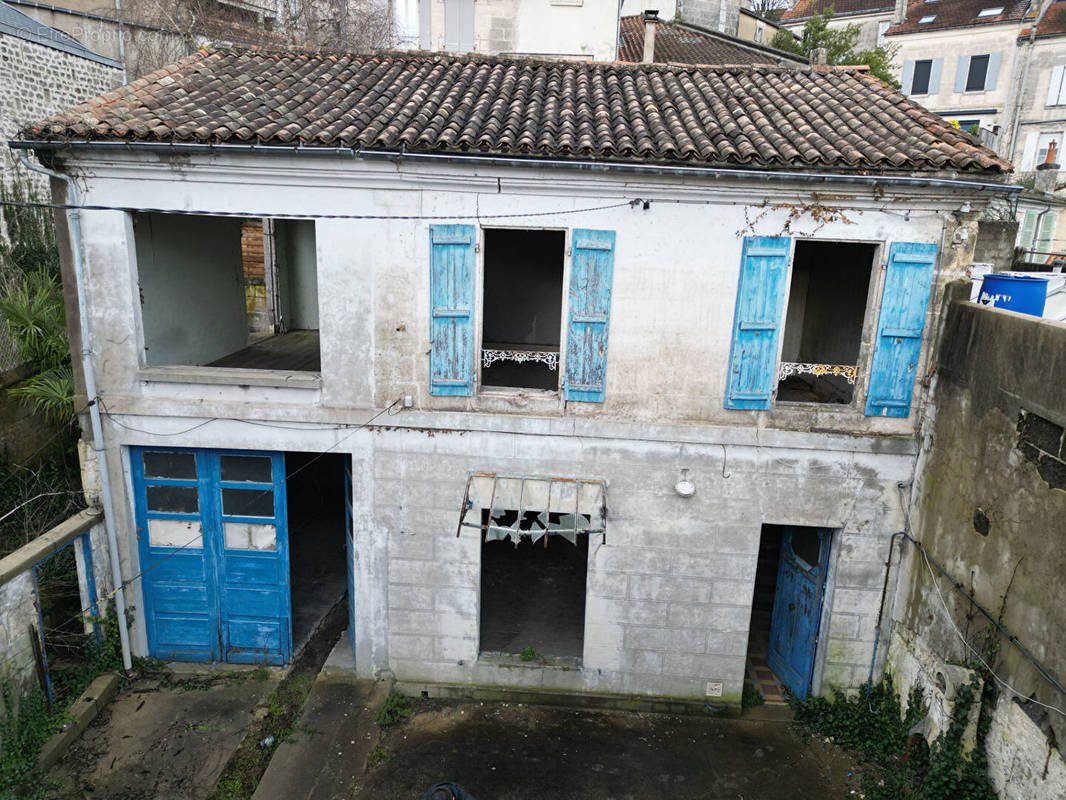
[1019,293]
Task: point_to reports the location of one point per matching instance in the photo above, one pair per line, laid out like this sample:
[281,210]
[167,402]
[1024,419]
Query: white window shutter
[1054,89]
[992,74]
[961,72]
[1029,151]
[934,75]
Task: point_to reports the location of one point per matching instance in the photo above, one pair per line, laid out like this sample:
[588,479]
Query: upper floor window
[522,316]
[920,80]
[977,73]
[922,77]
[991,12]
[927,19]
[824,322]
[225,292]
[882,28]
[1056,91]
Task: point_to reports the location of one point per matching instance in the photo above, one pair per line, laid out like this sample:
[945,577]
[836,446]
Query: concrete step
[334,735]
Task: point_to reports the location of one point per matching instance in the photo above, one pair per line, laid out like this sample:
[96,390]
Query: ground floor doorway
[786,610]
[243,553]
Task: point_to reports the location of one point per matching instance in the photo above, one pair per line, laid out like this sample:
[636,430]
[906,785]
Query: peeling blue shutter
[756,322]
[899,329]
[591,270]
[451,290]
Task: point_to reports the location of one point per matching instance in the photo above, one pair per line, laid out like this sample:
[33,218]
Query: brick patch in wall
[1043,443]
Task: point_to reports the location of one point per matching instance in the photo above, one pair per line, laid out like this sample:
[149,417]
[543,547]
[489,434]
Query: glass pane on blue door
[173,499]
[247,469]
[169,465]
[248,502]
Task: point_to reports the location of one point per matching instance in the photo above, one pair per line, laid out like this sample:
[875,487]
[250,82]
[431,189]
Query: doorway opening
[318,562]
[533,595]
[522,309]
[786,610]
[823,326]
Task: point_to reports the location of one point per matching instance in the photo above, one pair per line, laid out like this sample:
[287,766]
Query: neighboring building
[679,42]
[958,58]
[873,17]
[1037,110]
[591,359]
[582,31]
[753,27]
[42,70]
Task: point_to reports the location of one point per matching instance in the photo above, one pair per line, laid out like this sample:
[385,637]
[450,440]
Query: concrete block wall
[669,592]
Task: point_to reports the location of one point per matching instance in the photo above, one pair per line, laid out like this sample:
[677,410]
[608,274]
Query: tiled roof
[690,45]
[763,116]
[805,9]
[1052,24]
[956,14]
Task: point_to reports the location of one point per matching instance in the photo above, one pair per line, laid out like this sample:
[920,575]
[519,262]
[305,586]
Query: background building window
[978,72]
[920,81]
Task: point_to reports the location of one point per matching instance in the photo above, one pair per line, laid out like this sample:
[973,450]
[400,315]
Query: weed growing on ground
[377,757]
[873,725]
[528,654]
[752,698]
[392,710]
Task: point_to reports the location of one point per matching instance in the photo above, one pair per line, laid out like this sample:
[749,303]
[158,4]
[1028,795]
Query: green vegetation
[392,710]
[901,763]
[26,722]
[31,300]
[528,654]
[840,44]
[752,698]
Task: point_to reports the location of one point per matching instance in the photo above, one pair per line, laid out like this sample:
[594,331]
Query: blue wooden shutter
[935,70]
[899,329]
[591,270]
[992,75]
[451,291]
[756,322]
[962,72]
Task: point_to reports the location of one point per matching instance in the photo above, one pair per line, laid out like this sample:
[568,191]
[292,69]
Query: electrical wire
[962,638]
[101,598]
[246,214]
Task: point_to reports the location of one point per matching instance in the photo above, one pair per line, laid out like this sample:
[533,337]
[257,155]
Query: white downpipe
[74,216]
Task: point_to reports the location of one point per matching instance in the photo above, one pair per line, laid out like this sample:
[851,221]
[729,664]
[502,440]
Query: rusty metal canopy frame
[563,506]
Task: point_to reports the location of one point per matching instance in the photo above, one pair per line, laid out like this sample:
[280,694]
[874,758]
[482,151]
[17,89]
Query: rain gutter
[717,173]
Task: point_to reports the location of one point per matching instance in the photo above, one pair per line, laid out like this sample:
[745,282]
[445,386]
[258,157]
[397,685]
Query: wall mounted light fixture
[684,487]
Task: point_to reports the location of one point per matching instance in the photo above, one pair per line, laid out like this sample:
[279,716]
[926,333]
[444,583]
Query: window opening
[991,12]
[226,292]
[522,308]
[920,80]
[975,78]
[927,20]
[824,322]
[533,597]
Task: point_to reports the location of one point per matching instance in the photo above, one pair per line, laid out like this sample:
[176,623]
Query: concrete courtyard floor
[163,738]
[501,751]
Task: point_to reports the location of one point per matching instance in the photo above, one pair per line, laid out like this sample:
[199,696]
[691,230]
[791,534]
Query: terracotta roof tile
[956,14]
[805,9]
[1053,22]
[687,44]
[824,118]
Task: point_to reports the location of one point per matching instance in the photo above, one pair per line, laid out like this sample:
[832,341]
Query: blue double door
[213,539]
[797,611]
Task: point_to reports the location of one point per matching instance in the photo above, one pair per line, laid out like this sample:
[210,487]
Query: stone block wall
[39,81]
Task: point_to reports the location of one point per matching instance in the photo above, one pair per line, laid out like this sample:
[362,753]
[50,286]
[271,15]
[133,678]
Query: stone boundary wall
[989,505]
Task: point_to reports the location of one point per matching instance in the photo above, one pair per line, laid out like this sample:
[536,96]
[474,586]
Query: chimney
[651,20]
[1047,174]
[900,13]
[819,57]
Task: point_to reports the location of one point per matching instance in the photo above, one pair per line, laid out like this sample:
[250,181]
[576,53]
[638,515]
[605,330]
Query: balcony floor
[294,350]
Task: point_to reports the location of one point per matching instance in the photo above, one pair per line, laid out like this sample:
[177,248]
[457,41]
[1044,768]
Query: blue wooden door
[348,537]
[213,541]
[255,607]
[177,562]
[798,606]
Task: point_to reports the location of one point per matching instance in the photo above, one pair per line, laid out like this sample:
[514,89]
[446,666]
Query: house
[959,58]
[873,17]
[1036,110]
[754,27]
[554,29]
[583,377]
[680,42]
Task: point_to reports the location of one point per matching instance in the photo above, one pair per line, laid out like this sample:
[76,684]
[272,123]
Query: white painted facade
[584,30]
[669,588]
